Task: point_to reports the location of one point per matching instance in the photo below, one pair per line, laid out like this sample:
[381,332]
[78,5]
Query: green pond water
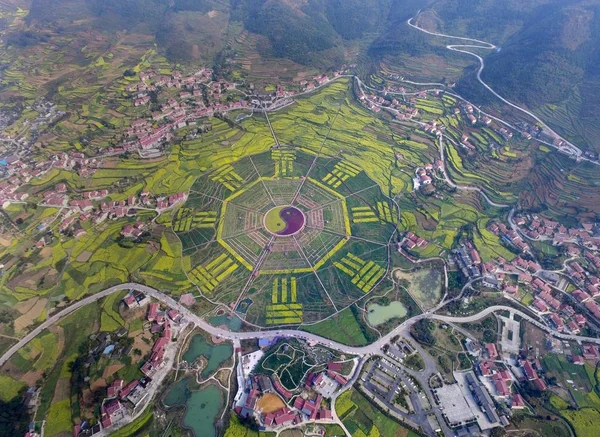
[234,324]
[378,314]
[214,353]
[202,407]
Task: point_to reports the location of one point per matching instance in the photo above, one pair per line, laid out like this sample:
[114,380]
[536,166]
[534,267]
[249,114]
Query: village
[262,397]
[126,399]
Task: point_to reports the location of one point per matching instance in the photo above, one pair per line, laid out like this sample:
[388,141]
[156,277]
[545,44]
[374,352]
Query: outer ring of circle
[288,235]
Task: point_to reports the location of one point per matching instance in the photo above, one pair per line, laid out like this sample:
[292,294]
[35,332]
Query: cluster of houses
[543,229]
[308,405]
[18,171]
[162,323]
[200,97]
[467,258]
[411,241]
[93,206]
[509,236]
[424,176]
[501,381]
[124,398]
[404,110]
[560,315]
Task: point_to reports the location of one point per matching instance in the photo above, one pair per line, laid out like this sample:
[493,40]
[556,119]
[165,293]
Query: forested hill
[549,56]
[301,30]
[555,55]
[312,32]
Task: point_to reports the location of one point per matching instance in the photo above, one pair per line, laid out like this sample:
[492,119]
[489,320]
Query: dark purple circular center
[293,219]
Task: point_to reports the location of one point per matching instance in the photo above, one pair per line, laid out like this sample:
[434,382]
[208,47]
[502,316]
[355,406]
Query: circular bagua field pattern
[297,235]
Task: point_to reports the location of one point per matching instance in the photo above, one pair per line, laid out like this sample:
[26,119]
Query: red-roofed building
[590,352]
[485,367]
[334,367]
[324,414]
[491,350]
[129,300]
[128,389]
[556,322]
[573,327]
[530,372]
[114,388]
[285,418]
[152,311]
[539,384]
[112,408]
[174,315]
[299,403]
[578,360]
[579,319]
[502,389]
[593,308]
[337,378]
[106,422]
[517,402]
[581,296]
[540,305]
[160,344]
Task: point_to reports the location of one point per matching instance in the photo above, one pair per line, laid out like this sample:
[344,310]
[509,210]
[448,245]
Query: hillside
[547,60]
[310,32]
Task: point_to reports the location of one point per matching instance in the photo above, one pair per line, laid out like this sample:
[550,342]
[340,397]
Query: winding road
[371,349]
[484,45]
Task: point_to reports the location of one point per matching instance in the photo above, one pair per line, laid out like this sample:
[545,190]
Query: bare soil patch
[535,338]
[29,280]
[36,307]
[31,377]
[269,403]
[111,370]
[5,240]
[84,256]
[46,252]
[139,343]
[98,384]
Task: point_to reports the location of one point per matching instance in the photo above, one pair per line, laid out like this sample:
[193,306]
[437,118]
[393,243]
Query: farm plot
[362,418]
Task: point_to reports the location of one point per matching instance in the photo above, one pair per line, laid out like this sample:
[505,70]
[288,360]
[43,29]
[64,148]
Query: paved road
[371,349]
[489,46]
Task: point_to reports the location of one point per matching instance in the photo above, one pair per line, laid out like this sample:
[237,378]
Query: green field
[343,327]
[362,418]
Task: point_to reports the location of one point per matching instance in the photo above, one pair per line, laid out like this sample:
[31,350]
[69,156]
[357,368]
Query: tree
[13,417]
[497,432]
[422,331]
[489,336]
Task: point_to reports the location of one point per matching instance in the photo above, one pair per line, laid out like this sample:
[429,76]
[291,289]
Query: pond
[234,323]
[378,314]
[215,354]
[202,406]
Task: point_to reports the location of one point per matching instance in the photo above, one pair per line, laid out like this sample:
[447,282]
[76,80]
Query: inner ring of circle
[287,235]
